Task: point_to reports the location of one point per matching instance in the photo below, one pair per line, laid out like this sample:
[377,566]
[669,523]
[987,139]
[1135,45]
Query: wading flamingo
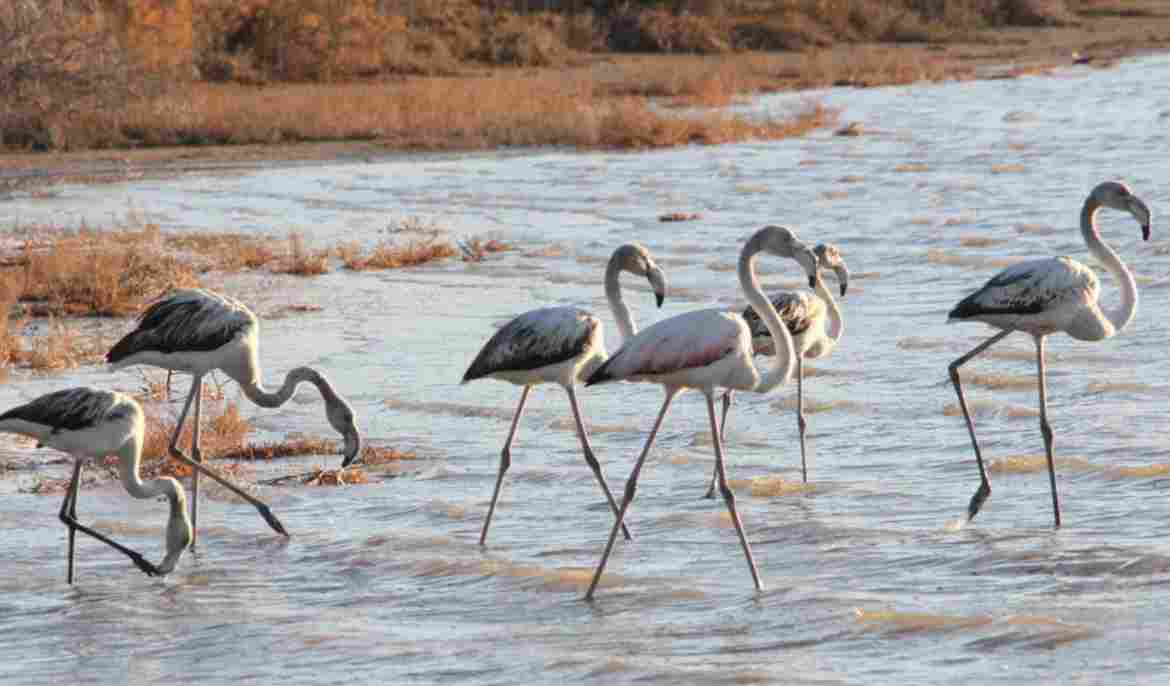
[196,331]
[561,345]
[806,317]
[91,424]
[1041,297]
[707,350]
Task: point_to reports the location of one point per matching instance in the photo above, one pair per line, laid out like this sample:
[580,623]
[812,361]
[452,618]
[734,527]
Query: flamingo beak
[353,448]
[812,281]
[1145,232]
[842,276]
[658,298]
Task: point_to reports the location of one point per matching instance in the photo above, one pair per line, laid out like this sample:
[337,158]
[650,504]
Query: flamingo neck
[613,293]
[270,399]
[1119,317]
[785,362]
[178,534]
[836,324]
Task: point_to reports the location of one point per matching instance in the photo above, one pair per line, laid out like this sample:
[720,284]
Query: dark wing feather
[1023,299]
[185,320]
[793,309]
[533,340]
[67,410]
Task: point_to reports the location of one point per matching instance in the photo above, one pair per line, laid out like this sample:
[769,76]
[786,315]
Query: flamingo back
[1031,289]
[535,339]
[688,341]
[185,320]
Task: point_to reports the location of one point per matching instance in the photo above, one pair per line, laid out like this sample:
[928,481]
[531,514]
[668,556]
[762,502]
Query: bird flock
[712,351]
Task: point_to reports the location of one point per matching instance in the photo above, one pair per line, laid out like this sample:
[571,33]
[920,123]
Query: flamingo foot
[977,500]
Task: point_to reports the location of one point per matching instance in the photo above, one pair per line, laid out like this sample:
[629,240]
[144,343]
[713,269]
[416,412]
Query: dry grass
[392,255]
[301,260]
[436,114]
[109,273]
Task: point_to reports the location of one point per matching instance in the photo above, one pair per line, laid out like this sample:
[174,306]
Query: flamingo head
[1116,195]
[636,259]
[829,257]
[341,417]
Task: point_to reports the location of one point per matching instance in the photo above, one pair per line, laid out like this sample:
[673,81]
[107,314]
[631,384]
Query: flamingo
[706,350]
[196,331]
[1044,296]
[561,345]
[91,424]
[805,315]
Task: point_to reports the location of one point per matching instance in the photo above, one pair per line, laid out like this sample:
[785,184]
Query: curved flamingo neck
[836,324]
[785,362]
[178,534]
[613,293]
[265,398]
[1117,318]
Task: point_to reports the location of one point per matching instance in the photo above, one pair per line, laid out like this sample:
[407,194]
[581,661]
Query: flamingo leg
[590,458]
[197,455]
[176,453]
[801,424]
[728,495]
[985,485]
[1045,428]
[69,513]
[505,462]
[723,432]
[68,517]
[631,488]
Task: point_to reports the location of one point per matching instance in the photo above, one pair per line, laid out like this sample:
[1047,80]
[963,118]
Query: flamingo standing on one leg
[561,345]
[806,317]
[91,424]
[196,331]
[1041,297]
[707,350]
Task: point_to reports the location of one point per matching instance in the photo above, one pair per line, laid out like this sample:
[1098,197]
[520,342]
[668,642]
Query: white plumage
[91,424]
[1042,297]
[560,345]
[707,350]
[816,325]
[196,331]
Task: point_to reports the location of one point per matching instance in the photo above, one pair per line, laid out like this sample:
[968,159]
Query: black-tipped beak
[844,287]
[353,448]
[659,297]
[812,281]
[1145,232]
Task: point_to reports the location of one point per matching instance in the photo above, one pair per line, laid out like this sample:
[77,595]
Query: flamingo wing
[536,339]
[66,410]
[688,341]
[185,320]
[1030,288]
[798,310]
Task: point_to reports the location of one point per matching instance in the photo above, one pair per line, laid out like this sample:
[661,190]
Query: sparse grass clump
[301,260]
[392,255]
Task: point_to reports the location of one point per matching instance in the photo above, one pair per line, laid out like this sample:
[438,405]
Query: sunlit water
[868,580]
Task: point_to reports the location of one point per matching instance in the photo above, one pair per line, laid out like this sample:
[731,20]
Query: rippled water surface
[868,580]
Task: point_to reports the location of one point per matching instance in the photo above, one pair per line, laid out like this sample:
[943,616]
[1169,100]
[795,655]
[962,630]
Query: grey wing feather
[185,320]
[68,410]
[535,339]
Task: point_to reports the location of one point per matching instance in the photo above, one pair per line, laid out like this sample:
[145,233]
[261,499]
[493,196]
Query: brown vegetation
[301,260]
[88,272]
[392,255]
[88,73]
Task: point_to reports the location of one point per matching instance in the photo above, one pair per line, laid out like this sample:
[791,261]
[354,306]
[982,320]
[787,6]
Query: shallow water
[867,577]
